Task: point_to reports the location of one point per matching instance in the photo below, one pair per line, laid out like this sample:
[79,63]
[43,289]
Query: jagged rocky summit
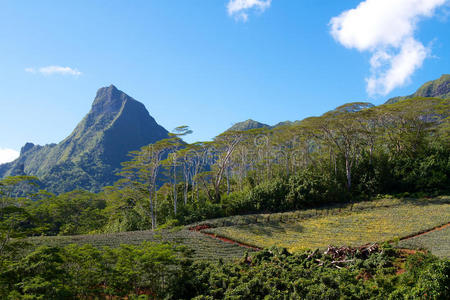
[91,155]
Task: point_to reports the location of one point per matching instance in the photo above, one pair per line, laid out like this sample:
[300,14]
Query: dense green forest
[351,154]
[150,271]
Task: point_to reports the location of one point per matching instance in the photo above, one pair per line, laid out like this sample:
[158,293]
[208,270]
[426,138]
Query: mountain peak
[109,99]
[26,148]
[92,154]
[107,91]
[247,125]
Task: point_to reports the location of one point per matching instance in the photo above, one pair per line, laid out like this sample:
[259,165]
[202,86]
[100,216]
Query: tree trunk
[174,189]
[228,181]
[348,172]
[155,211]
[152,209]
[186,191]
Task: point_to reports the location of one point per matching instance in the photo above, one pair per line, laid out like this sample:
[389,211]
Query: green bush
[308,188]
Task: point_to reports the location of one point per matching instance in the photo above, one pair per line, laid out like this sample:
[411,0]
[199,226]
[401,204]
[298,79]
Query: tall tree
[224,145]
[145,167]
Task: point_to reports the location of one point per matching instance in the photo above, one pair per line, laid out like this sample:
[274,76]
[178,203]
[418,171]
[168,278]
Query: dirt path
[223,239]
[425,232]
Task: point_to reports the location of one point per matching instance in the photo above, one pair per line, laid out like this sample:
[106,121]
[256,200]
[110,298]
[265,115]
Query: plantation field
[437,242]
[201,246]
[364,222]
[376,221]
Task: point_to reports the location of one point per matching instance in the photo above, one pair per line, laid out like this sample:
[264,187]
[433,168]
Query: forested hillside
[439,88]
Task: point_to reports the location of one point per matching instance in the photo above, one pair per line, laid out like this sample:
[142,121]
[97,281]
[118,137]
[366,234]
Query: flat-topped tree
[144,168]
[340,130]
[174,157]
[407,123]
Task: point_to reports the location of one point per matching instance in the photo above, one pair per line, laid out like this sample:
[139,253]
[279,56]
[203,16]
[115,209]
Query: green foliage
[434,281]
[352,224]
[309,188]
[85,271]
[200,246]
[437,242]
[439,88]
[266,196]
[75,212]
[277,274]
[247,125]
[428,172]
[153,270]
[39,275]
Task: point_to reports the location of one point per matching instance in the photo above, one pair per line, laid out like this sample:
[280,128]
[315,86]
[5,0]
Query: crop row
[378,223]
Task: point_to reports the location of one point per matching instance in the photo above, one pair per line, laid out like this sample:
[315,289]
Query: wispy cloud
[385,28]
[7,155]
[241,8]
[54,70]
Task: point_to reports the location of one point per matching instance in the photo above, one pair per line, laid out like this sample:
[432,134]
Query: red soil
[426,232]
[199,228]
[406,252]
[223,239]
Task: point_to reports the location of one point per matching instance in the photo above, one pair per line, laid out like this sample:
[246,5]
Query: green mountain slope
[247,125]
[439,88]
[91,155]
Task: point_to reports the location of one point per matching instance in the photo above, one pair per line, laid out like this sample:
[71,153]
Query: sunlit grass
[372,221]
[379,221]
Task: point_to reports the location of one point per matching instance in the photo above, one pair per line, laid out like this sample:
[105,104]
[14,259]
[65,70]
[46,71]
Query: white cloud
[386,29]
[7,155]
[30,70]
[240,8]
[51,70]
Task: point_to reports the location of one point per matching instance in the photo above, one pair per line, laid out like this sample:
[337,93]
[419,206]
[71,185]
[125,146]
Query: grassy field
[438,242]
[201,246]
[376,221]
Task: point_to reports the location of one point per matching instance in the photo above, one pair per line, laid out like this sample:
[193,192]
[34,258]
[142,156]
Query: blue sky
[210,63]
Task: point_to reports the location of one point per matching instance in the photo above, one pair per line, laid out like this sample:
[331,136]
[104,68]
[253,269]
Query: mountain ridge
[91,155]
[438,88]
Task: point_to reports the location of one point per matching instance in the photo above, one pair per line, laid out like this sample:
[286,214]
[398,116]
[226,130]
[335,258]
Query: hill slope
[439,88]
[247,125]
[90,156]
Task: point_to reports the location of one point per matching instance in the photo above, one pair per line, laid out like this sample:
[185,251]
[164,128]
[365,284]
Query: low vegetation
[377,221]
[437,242]
[157,271]
[198,246]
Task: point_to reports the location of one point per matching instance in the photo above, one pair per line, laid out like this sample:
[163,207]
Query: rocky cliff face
[91,155]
